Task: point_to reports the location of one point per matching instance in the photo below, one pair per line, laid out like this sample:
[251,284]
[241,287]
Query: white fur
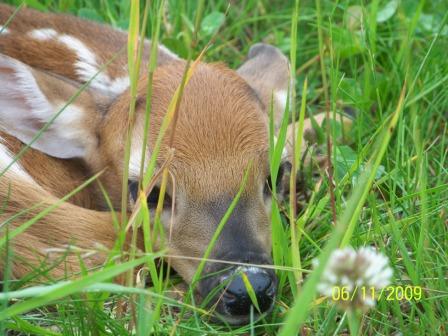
[6,157]
[43,34]
[87,67]
[136,159]
[3,30]
[119,84]
[281,97]
[134,163]
[19,84]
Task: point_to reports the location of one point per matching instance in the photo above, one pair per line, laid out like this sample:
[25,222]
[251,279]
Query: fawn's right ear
[267,71]
[29,99]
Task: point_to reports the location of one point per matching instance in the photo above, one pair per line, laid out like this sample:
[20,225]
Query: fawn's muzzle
[228,292]
[235,296]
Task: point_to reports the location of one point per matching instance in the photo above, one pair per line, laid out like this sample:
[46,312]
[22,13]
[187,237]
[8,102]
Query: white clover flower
[353,279]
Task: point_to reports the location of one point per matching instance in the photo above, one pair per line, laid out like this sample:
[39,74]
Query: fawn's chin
[222,317]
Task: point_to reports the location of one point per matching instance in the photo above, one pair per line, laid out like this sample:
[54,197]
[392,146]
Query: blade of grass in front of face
[155,17]
[135,49]
[276,147]
[156,280]
[132,53]
[250,292]
[188,72]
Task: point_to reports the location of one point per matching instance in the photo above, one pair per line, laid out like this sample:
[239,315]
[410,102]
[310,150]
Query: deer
[221,134]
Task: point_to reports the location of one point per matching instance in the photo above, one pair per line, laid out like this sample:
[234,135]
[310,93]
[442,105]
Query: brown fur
[65,225]
[222,127]
[53,56]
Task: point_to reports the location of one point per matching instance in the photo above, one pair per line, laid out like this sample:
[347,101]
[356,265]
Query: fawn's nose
[236,298]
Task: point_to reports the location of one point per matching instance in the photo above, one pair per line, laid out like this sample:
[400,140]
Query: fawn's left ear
[29,99]
[266,70]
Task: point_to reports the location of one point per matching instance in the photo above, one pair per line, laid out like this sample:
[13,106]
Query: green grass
[390,172]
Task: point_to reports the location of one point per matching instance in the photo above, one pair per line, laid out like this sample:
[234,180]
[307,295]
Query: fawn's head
[221,133]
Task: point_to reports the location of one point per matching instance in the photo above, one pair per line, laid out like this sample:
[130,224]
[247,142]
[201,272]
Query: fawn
[222,126]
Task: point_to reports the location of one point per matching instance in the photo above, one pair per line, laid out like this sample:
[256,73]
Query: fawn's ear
[29,99]
[266,70]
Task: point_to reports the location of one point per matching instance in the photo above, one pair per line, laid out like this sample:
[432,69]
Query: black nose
[236,299]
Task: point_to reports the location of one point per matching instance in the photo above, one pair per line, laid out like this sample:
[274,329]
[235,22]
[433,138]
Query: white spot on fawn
[87,67]
[43,34]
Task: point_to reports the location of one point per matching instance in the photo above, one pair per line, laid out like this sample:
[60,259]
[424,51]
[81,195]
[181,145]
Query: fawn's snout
[227,290]
[236,298]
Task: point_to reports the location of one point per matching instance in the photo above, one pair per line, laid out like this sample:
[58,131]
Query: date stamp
[389,293]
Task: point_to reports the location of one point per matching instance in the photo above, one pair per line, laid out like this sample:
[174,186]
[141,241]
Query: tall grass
[383,61]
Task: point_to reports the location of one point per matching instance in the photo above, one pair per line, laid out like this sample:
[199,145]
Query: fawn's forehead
[219,112]
[221,126]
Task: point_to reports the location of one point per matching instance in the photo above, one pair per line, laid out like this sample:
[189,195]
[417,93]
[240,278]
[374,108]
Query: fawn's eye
[153,196]
[133,190]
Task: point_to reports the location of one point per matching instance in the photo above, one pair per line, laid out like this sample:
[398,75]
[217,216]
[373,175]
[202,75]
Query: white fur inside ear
[25,110]
[69,133]
[19,90]
[281,96]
